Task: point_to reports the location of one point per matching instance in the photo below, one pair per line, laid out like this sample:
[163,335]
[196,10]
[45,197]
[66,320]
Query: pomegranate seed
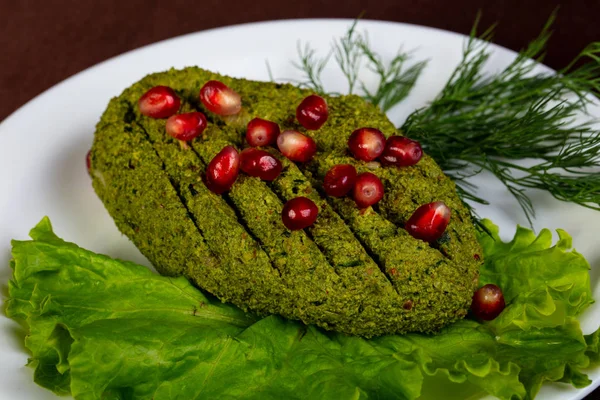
[223,170]
[220,98]
[312,112]
[488,302]
[186,126]
[159,102]
[299,213]
[259,163]
[429,221]
[88,161]
[339,180]
[366,143]
[296,146]
[401,152]
[368,190]
[261,132]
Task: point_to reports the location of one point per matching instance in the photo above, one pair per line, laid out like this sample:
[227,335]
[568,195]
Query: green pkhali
[100,328]
[357,272]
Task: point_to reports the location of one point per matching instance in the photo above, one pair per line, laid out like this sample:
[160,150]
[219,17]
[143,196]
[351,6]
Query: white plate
[43,147]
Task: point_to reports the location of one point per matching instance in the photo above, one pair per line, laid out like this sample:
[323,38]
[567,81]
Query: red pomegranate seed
[261,132]
[186,126]
[429,221]
[223,170]
[259,163]
[366,143]
[159,102]
[88,160]
[296,146]
[339,180]
[401,152]
[312,112]
[299,213]
[488,302]
[368,190]
[220,98]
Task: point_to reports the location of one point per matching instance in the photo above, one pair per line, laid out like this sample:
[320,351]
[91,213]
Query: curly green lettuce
[101,328]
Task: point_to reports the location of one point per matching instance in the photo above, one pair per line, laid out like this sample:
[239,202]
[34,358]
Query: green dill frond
[269,71]
[491,122]
[312,66]
[348,55]
[395,80]
[352,52]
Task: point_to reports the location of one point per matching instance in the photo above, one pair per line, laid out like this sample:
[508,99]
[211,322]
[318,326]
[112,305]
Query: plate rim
[16,114]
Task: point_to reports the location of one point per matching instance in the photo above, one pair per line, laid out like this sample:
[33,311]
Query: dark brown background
[44,42]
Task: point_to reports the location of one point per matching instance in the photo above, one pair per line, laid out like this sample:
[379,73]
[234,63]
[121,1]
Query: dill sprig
[395,81]
[312,66]
[348,55]
[352,52]
[491,122]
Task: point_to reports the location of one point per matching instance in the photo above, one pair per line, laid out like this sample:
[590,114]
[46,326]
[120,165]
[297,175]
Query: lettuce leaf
[107,329]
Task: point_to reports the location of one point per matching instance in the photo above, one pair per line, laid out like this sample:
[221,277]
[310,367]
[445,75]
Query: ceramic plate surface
[43,147]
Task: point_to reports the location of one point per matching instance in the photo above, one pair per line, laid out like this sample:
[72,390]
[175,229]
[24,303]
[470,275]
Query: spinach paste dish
[357,270]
